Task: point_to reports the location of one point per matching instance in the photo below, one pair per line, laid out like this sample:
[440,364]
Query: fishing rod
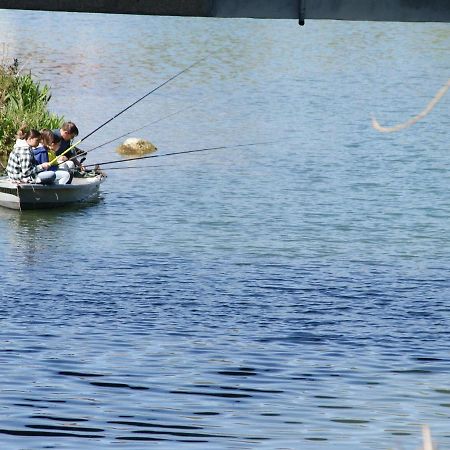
[131,167]
[223,147]
[130,106]
[136,129]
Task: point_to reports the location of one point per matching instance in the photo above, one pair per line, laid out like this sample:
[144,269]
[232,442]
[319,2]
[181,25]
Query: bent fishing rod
[130,106]
[223,147]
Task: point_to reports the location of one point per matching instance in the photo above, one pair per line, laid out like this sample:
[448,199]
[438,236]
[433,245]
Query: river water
[291,294]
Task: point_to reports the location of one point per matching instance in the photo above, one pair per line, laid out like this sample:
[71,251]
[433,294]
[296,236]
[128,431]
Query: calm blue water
[287,295]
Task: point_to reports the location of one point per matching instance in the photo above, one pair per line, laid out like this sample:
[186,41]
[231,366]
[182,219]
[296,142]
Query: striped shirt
[22,167]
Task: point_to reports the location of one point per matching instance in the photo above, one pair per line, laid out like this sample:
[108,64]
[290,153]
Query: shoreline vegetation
[23,100]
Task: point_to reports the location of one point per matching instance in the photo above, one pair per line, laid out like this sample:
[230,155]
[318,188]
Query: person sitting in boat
[53,142]
[67,133]
[22,166]
[44,153]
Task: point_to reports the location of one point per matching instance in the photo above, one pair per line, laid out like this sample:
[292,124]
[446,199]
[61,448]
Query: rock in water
[136,146]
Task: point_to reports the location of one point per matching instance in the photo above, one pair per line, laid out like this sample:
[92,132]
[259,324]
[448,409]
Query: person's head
[22,132]
[68,131]
[32,137]
[50,140]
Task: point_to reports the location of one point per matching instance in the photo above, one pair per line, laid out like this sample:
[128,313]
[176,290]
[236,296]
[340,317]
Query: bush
[22,101]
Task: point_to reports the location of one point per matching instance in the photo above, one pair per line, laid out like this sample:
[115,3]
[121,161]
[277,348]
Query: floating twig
[415,119]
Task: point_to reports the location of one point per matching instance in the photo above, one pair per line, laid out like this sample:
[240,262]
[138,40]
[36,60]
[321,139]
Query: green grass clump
[22,101]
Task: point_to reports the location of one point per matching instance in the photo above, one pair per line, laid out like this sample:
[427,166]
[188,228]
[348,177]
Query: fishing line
[146,95]
[137,129]
[223,147]
[136,167]
[131,105]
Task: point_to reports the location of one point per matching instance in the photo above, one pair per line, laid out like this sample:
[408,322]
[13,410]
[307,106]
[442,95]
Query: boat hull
[38,196]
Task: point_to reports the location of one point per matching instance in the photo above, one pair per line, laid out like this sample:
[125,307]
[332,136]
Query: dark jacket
[40,154]
[63,146]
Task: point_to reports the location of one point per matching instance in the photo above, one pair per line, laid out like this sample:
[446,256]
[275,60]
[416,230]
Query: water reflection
[31,235]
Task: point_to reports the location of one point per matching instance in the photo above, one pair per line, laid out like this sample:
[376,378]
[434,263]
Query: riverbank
[23,100]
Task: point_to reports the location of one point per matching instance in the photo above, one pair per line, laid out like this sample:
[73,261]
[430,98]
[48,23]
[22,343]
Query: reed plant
[23,100]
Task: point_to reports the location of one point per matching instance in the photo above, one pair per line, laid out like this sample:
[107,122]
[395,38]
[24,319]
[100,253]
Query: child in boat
[45,153]
[22,166]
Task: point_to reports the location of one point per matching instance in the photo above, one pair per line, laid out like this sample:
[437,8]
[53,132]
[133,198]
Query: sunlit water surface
[286,295]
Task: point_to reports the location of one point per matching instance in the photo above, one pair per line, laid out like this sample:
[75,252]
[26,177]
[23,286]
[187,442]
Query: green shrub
[22,101]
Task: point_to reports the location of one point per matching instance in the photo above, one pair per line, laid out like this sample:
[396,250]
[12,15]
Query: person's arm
[74,154]
[26,164]
[28,168]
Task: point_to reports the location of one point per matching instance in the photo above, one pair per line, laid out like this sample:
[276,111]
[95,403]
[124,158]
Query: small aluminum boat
[35,196]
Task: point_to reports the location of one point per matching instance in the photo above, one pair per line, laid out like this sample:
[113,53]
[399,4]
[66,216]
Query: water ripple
[282,295]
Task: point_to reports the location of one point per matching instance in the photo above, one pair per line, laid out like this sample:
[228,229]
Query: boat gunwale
[21,191]
[6,183]
[87,181]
